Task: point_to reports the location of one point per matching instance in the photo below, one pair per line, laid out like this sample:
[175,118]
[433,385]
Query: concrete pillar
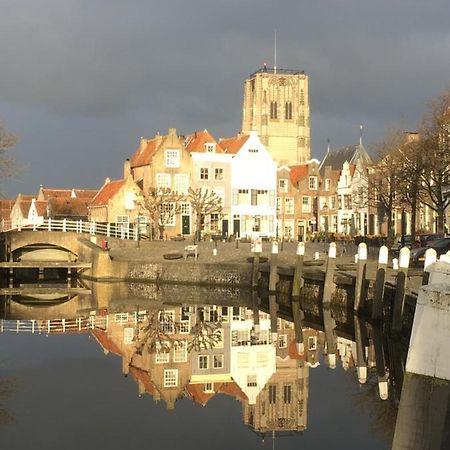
[329,286]
[377,307]
[400,290]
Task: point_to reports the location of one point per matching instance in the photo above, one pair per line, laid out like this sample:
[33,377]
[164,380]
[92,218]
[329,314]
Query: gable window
[327,184]
[253,150]
[163,180]
[170,377]
[313,183]
[251,381]
[172,158]
[204,173]
[130,200]
[272,393]
[282,341]
[312,343]
[208,388]
[273,110]
[283,185]
[210,148]
[218,173]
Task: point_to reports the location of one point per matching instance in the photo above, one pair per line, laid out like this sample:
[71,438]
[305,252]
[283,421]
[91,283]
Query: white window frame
[123,218]
[183,186]
[170,377]
[163,180]
[283,185]
[180,352]
[203,358]
[218,173]
[306,207]
[204,173]
[160,356]
[313,183]
[289,205]
[218,358]
[172,158]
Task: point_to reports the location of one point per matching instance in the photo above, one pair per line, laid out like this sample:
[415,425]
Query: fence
[118,230]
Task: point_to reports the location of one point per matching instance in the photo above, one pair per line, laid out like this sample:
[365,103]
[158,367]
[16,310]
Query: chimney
[142,144]
[107,180]
[126,169]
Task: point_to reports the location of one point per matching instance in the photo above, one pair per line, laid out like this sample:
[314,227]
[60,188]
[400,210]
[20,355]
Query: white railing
[118,230]
[77,325]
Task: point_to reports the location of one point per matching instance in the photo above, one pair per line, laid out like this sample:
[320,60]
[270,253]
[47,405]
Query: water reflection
[258,351]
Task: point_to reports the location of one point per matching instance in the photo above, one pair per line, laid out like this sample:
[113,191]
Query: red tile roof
[144,378]
[107,344]
[293,353]
[5,208]
[298,173]
[107,192]
[232,388]
[233,144]
[24,206]
[197,394]
[41,208]
[144,157]
[69,206]
[67,193]
[196,141]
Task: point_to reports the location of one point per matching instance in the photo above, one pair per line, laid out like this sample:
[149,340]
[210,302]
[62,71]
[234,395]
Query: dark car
[426,238]
[441,246]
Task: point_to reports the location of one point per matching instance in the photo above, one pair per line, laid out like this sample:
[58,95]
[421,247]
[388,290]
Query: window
[273,110]
[168,214]
[122,219]
[242,360]
[283,185]
[253,150]
[288,110]
[204,173]
[313,183]
[243,197]
[289,205]
[162,355]
[121,317]
[287,397]
[333,202]
[163,180]
[166,321]
[278,205]
[327,184]
[282,341]
[170,377]
[251,381]
[172,158]
[218,173]
[185,208]
[214,222]
[262,359]
[218,361]
[203,362]
[208,388]
[210,148]
[272,393]
[181,183]
[180,352]
[130,198]
[306,204]
[312,343]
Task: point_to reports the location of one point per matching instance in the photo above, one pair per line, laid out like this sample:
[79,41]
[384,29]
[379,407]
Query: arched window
[273,110]
[288,110]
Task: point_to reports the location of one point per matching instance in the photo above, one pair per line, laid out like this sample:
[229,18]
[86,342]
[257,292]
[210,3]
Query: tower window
[288,110]
[273,110]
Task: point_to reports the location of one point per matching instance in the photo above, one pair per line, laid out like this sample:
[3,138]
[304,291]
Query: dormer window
[172,158]
[210,148]
[253,150]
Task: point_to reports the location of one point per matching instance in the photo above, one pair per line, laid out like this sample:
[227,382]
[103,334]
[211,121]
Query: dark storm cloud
[148,65]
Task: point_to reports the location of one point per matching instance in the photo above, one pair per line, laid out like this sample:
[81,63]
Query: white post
[395,264]
[430,258]
[34,226]
[108,229]
[49,224]
[94,227]
[64,225]
[301,249]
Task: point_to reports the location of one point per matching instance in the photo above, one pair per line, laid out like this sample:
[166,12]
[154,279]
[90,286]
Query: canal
[129,366]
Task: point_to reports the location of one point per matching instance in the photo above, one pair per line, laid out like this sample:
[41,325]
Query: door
[185,224]
[225,227]
[236,227]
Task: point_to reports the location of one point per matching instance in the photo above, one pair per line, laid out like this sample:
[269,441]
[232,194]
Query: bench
[191,250]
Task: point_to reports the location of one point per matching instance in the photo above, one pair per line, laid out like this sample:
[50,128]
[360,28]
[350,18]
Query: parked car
[425,238]
[441,246]
[397,244]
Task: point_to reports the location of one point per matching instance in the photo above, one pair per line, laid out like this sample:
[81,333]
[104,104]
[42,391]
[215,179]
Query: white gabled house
[253,186]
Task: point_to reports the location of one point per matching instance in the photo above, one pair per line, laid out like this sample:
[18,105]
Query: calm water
[198,377]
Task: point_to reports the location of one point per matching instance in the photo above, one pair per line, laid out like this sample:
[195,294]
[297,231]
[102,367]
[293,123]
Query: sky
[82,80]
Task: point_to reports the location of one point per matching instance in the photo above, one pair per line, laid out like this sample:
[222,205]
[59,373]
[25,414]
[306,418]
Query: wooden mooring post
[255,307]
[273,275]
[380,362]
[377,306]
[361,366]
[297,282]
[273,309]
[329,285]
[400,289]
[360,282]
[298,327]
[329,325]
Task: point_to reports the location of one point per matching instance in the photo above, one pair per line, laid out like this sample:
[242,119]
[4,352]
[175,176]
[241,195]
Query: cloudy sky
[82,80]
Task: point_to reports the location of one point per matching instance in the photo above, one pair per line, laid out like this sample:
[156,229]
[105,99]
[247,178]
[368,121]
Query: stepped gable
[233,144]
[107,191]
[144,154]
[195,142]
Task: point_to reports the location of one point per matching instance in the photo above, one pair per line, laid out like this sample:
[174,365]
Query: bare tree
[435,156]
[8,166]
[160,205]
[203,202]
[385,178]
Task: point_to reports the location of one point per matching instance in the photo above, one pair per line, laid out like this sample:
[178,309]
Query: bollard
[329,285]
[380,363]
[214,251]
[316,255]
[360,275]
[273,268]
[361,367]
[395,264]
[400,289]
[430,258]
[377,307]
[298,272]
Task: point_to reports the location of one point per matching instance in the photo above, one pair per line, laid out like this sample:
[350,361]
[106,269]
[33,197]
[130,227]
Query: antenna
[275,52]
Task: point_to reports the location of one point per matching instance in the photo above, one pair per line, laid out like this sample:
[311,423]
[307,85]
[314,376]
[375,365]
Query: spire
[360,135]
[275,52]
[328,145]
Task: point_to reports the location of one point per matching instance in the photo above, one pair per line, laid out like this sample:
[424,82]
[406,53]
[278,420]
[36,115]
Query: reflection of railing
[55,326]
[118,230]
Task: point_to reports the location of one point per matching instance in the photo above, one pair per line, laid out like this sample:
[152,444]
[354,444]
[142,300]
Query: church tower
[276,106]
